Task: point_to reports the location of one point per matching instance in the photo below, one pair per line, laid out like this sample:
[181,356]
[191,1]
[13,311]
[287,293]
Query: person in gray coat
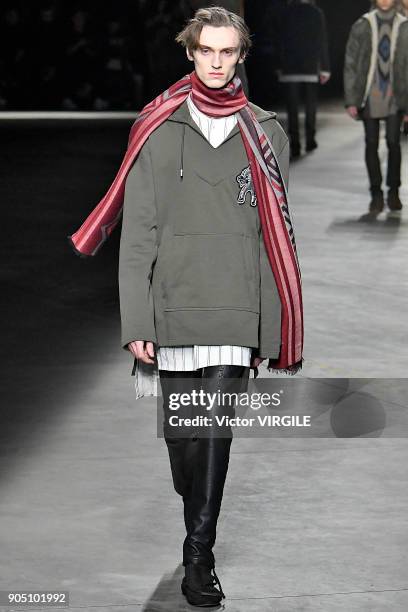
[376,89]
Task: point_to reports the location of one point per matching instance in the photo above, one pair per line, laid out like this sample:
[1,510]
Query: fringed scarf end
[290,371]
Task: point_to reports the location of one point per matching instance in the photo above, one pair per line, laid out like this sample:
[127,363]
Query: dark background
[89,55]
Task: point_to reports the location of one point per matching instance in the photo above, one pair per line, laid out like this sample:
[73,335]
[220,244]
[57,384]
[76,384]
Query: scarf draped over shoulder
[276,223]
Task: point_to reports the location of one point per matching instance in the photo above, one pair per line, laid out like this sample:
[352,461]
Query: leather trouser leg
[211,466]
[181,448]
[199,463]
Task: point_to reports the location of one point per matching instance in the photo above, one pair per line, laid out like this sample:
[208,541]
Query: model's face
[405,4]
[385,5]
[217,56]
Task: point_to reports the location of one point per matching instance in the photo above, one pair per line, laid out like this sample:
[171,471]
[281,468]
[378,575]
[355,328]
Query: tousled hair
[215,16]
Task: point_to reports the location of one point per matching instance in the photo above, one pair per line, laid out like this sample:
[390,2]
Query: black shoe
[198,586]
[393,201]
[376,207]
[311,146]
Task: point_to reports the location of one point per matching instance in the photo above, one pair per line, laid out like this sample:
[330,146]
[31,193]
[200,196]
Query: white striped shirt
[191,357]
[215,129]
[200,356]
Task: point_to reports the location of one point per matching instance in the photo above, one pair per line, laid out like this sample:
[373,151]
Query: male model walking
[376,89]
[304,64]
[208,273]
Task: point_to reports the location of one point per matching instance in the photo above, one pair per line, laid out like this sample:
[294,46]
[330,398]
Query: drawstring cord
[182,153]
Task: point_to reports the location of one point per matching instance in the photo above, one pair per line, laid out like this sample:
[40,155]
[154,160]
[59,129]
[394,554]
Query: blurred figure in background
[304,63]
[81,67]
[120,87]
[166,62]
[376,88]
[235,6]
[12,59]
[265,21]
[44,58]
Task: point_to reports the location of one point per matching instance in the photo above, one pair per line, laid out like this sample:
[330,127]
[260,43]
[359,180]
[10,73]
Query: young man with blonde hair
[233,6]
[209,280]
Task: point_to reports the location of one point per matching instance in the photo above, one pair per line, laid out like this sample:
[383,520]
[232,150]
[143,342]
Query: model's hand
[256,361]
[143,350]
[324,77]
[352,111]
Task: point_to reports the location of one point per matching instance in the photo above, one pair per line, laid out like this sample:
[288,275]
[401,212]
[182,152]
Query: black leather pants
[199,458]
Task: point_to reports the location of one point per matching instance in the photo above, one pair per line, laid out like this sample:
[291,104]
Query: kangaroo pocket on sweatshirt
[211,270]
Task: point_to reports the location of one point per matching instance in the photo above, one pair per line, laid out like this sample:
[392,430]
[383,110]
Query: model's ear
[241,60]
[189,55]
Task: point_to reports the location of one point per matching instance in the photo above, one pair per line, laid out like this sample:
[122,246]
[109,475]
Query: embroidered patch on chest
[244,180]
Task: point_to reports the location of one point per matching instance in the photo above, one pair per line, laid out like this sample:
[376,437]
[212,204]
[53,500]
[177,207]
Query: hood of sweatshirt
[182,116]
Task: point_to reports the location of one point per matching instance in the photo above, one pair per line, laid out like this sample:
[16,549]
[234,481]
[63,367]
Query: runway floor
[87,503]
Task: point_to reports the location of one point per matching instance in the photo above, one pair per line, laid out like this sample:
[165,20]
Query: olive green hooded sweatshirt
[192,263]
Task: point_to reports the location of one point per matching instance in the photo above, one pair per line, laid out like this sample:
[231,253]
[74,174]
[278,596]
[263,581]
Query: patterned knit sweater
[381,102]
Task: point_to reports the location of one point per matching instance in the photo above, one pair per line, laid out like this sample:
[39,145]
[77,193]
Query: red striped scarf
[277,228]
